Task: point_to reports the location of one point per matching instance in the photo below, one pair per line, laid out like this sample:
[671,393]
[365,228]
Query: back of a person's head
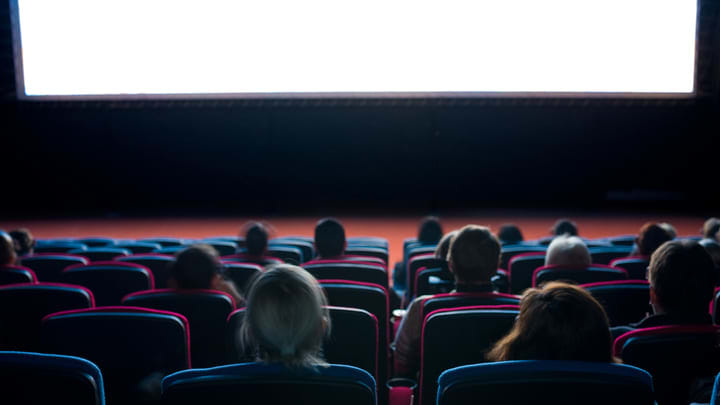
[713,248]
[195,267]
[510,234]
[430,231]
[568,251]
[711,228]
[443,247]
[564,227]
[669,228]
[286,317]
[650,237]
[682,276]
[7,249]
[474,254]
[329,238]
[24,241]
[256,238]
[557,322]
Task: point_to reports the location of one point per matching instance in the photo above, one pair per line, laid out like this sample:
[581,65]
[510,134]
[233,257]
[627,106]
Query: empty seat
[164,242]
[622,240]
[305,246]
[545,382]
[38,379]
[592,274]
[625,302]
[466,299]
[223,247]
[48,266]
[110,281]
[241,273]
[373,241]
[99,254]
[205,310]
[244,258]
[288,254]
[353,339]
[270,384]
[169,250]
[605,255]
[345,270]
[636,266]
[22,306]
[676,356]
[96,241]
[59,247]
[138,247]
[368,251]
[459,336]
[157,263]
[521,269]
[427,260]
[127,343]
[16,275]
[509,251]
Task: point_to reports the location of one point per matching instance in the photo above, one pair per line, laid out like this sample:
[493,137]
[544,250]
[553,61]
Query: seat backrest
[521,269]
[636,266]
[509,251]
[59,247]
[353,339]
[622,240]
[346,270]
[127,343]
[625,302]
[466,299]
[241,273]
[205,310]
[433,281]
[594,273]
[22,307]
[48,266]
[369,251]
[158,264]
[164,242]
[244,258]
[223,247]
[35,378]
[96,241]
[306,247]
[288,254]
[414,264]
[545,382]
[459,336]
[373,241]
[675,356]
[101,253]
[139,247]
[271,385]
[110,281]
[16,275]
[605,255]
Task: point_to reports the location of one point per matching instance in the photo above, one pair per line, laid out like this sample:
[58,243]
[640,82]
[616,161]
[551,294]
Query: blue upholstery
[59,247]
[101,253]
[139,247]
[545,382]
[508,251]
[110,281]
[625,302]
[605,255]
[338,270]
[48,267]
[35,378]
[157,263]
[716,392]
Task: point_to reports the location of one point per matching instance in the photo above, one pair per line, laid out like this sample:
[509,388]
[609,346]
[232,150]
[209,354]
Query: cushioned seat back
[97,241]
[343,270]
[416,263]
[509,251]
[595,273]
[456,300]
[545,382]
[139,247]
[48,267]
[16,275]
[605,255]
[253,383]
[288,254]
[625,302]
[244,258]
[127,343]
[372,241]
[434,281]
[59,247]
[306,247]
[158,264]
[521,269]
[164,242]
[22,307]
[205,310]
[223,247]
[353,339]
[99,254]
[635,266]
[369,251]
[35,378]
[675,356]
[110,281]
[241,273]
[456,337]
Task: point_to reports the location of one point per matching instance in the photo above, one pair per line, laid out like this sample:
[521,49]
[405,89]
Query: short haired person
[567,251]
[650,237]
[329,239]
[711,228]
[473,259]
[7,250]
[24,241]
[713,248]
[510,234]
[199,267]
[430,231]
[557,322]
[564,226]
[443,247]
[682,281]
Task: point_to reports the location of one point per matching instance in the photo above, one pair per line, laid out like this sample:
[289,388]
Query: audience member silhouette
[7,250]
[199,267]
[256,243]
[510,234]
[430,231]
[564,227]
[568,251]
[24,241]
[330,242]
[711,228]
[650,237]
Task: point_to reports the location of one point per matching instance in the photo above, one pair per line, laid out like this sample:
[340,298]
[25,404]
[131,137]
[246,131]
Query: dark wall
[276,157]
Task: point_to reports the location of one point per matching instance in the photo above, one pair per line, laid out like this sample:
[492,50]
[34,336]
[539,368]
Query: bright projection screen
[115,49]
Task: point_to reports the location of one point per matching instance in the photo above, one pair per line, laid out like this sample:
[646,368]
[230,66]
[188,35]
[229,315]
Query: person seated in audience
[669,229]
[564,227]
[7,250]
[650,237]
[286,318]
[430,231]
[256,243]
[713,248]
[711,228]
[568,251]
[24,241]
[443,247]
[510,234]
[473,259]
[682,282]
[330,240]
[557,322]
[199,267]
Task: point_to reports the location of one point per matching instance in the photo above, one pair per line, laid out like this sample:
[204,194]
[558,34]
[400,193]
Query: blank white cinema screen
[298,48]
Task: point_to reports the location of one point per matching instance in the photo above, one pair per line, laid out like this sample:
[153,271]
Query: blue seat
[16,275]
[508,251]
[241,273]
[138,247]
[369,251]
[466,299]
[110,281]
[157,263]
[59,247]
[288,254]
[169,250]
[545,382]
[370,241]
[98,254]
[605,255]
[521,268]
[48,267]
[271,384]
[594,273]
[427,260]
[97,241]
[223,247]
[625,302]
[305,246]
[716,392]
[344,270]
[36,378]
[164,242]
[636,266]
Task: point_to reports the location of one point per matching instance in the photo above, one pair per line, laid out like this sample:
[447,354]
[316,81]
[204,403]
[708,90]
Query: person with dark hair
[510,234]
[430,231]
[24,241]
[557,322]
[711,228]
[713,248]
[682,283]
[7,250]
[473,259]
[650,238]
[256,243]
[564,227]
[443,247]
[199,267]
[329,238]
